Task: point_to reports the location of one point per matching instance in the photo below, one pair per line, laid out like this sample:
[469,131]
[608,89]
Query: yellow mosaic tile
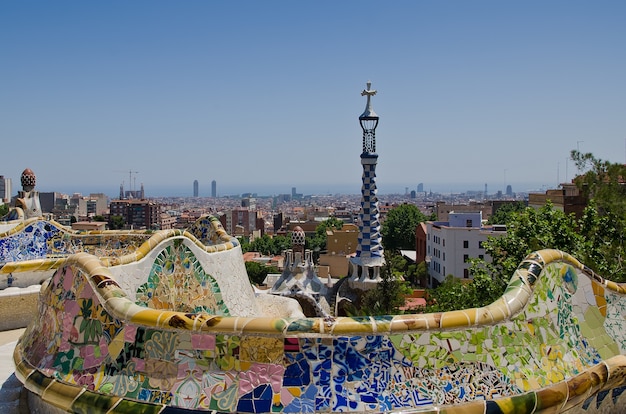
[457,319]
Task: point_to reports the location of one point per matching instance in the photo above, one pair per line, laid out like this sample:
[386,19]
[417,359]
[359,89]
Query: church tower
[365,266]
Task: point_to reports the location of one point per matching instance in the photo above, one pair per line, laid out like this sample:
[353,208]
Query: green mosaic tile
[89,402]
[134,407]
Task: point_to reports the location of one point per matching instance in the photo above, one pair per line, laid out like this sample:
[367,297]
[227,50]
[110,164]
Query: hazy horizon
[315,189]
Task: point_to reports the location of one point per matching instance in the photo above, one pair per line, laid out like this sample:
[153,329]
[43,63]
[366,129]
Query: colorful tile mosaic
[178,282]
[37,239]
[555,341]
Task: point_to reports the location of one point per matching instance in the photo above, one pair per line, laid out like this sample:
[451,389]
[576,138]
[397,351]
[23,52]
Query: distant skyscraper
[293,191]
[509,190]
[213,188]
[195,188]
[420,188]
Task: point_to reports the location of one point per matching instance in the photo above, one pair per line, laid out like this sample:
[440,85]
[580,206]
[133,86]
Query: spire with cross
[369,255]
[369,121]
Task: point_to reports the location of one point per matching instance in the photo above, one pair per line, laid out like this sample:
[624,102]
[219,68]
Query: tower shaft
[369,254]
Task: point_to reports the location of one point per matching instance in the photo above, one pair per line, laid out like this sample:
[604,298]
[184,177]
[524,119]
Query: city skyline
[268,97]
[186,190]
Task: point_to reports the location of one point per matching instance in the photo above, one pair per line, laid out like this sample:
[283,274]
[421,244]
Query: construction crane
[130,178]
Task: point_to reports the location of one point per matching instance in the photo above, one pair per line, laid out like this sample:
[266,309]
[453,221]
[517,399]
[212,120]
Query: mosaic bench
[36,239]
[174,328]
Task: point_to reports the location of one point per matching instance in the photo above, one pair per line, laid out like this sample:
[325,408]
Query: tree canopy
[603,182]
[116,222]
[604,221]
[257,272]
[268,245]
[506,211]
[317,243]
[398,230]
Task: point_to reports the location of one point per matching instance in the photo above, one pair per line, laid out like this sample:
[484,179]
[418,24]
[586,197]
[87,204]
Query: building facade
[88,206]
[444,209]
[242,220]
[5,190]
[167,222]
[450,245]
[568,199]
[137,214]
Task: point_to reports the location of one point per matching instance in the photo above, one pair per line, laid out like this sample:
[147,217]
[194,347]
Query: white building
[450,245]
[5,190]
[93,205]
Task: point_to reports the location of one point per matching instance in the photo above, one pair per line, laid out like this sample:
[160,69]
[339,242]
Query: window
[444,242]
[466,273]
[481,256]
[480,245]
[468,223]
[465,244]
[444,255]
[465,258]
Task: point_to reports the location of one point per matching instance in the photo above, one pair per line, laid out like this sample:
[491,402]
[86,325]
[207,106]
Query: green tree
[527,231]
[603,182]
[506,212]
[604,248]
[317,243]
[421,274]
[116,222]
[604,220]
[388,295]
[257,272]
[268,245]
[398,230]
[454,293]
[4,210]
[401,267]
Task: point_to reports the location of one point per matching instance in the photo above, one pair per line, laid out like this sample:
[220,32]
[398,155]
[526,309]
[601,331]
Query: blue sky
[266,94]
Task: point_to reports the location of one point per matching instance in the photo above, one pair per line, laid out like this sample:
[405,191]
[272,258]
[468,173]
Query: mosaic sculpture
[299,279]
[28,199]
[175,327]
[27,204]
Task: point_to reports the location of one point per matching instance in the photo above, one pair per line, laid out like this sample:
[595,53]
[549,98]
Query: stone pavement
[8,339]
[11,388]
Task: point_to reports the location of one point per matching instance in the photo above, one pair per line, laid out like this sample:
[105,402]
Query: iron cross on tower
[369,121]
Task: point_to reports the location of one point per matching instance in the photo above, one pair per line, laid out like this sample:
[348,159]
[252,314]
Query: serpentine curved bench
[176,328]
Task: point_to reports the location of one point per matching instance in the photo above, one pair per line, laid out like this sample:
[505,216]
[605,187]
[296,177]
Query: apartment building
[137,214]
[242,221]
[450,245]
